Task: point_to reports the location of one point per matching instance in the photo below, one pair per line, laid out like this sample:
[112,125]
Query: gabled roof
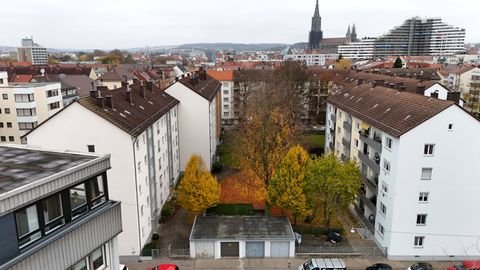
[110,76]
[389,110]
[134,117]
[206,88]
[224,75]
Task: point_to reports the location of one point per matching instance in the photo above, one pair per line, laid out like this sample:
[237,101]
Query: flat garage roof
[241,228]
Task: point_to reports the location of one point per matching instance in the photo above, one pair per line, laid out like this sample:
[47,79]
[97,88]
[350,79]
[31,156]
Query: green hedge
[317,230]
[231,210]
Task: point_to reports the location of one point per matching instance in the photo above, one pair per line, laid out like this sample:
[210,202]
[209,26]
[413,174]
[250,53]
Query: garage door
[255,250]
[204,249]
[229,249]
[279,249]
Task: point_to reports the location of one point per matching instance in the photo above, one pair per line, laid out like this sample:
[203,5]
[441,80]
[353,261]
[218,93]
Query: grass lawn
[313,141]
[225,150]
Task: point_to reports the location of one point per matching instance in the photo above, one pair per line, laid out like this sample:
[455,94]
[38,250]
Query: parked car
[465,265]
[164,266]
[420,266]
[323,264]
[334,237]
[379,266]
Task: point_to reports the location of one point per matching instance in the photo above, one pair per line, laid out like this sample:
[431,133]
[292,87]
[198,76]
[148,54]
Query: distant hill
[234,46]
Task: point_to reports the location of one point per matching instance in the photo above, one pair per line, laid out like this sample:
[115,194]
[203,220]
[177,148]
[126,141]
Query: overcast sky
[108,24]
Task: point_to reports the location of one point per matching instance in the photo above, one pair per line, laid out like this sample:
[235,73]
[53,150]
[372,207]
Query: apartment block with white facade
[56,212]
[32,52]
[23,106]
[227,98]
[138,126]
[199,117]
[418,183]
[312,57]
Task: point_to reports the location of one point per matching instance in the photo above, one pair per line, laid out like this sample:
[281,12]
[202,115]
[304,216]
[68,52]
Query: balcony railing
[373,164]
[347,126]
[371,184]
[369,203]
[375,143]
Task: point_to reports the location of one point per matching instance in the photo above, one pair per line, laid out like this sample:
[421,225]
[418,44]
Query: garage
[229,249]
[254,249]
[241,237]
[205,250]
[279,249]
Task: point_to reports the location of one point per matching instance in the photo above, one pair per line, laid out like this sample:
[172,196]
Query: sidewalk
[357,263]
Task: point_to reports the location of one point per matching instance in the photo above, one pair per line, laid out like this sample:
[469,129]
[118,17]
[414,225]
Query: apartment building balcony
[375,142]
[371,202]
[372,184]
[346,142]
[333,117]
[374,165]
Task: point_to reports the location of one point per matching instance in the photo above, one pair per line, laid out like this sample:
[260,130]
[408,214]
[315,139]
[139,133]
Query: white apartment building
[199,117]
[418,184]
[23,106]
[466,80]
[138,126]
[32,52]
[363,49]
[227,98]
[312,58]
[56,212]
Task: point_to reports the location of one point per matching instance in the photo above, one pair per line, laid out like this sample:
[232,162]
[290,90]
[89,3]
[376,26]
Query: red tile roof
[21,78]
[224,75]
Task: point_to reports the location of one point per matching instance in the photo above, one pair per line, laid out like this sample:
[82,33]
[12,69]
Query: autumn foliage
[198,189]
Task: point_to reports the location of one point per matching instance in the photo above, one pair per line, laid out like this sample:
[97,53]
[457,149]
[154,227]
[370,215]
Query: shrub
[217,167]
[232,209]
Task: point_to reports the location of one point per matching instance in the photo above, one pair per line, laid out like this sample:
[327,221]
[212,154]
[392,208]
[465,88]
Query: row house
[138,126]
[23,106]
[56,211]
[418,183]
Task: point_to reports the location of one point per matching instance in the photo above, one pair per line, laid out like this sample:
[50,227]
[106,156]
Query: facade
[316,34]
[312,58]
[32,52]
[56,212]
[138,126]
[26,105]
[199,117]
[247,237]
[406,146]
[416,36]
[225,77]
[466,80]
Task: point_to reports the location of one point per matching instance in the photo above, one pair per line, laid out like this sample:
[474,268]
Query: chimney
[374,84]
[142,88]
[100,101]
[124,84]
[129,95]
[150,85]
[386,84]
[454,96]
[402,88]
[109,101]
[380,82]
[420,89]
[398,85]
[359,81]
[392,85]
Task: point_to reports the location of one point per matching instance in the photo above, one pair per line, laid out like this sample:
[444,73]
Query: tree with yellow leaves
[331,184]
[343,63]
[198,189]
[285,189]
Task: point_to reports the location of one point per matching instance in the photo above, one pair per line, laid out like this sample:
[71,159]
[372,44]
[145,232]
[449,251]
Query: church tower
[354,34]
[316,33]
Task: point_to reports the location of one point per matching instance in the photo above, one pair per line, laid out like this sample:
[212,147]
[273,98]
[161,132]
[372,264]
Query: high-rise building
[416,36]
[32,52]
[316,34]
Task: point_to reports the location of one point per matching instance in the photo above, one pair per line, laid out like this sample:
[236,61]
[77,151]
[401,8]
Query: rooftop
[26,85]
[241,227]
[207,88]
[387,109]
[20,166]
[224,75]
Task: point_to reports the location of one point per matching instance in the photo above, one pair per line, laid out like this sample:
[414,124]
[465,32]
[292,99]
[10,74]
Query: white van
[323,264]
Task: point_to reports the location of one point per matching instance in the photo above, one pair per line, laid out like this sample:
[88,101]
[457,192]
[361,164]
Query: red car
[164,266]
[465,265]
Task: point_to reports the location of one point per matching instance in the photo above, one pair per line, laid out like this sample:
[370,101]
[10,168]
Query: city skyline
[119,24]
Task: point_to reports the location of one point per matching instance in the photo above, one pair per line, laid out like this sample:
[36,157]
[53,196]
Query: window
[450,127]
[54,105]
[97,191]
[91,148]
[141,210]
[27,125]
[428,149]
[423,197]
[21,98]
[388,142]
[3,138]
[226,106]
[52,212]
[225,92]
[226,113]
[386,165]
[81,265]
[421,219]
[159,147]
[381,229]
[139,166]
[418,241]
[339,130]
[26,112]
[5,96]
[226,99]
[9,124]
[384,187]
[11,138]
[356,143]
[136,145]
[1,124]
[28,228]
[52,93]
[78,200]
[7,110]
[383,208]
[426,173]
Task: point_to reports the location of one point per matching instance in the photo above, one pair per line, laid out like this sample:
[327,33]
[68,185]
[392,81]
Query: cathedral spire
[317,11]
[316,34]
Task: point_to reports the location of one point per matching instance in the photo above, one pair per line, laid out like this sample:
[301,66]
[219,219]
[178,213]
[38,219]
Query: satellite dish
[42,71]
